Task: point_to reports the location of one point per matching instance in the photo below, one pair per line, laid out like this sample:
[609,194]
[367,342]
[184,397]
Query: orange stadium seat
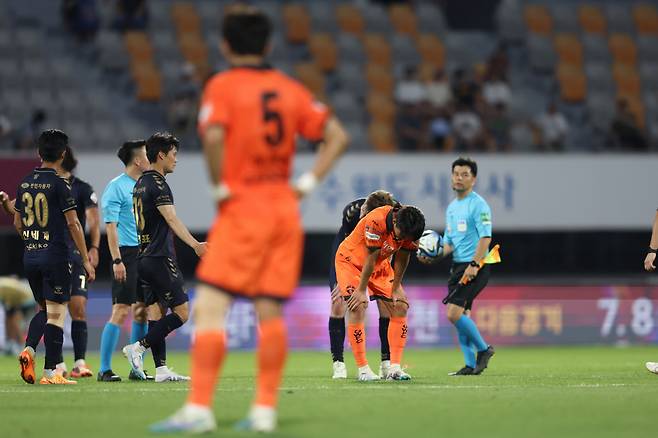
[636,106]
[381,137]
[623,49]
[591,19]
[627,80]
[138,45]
[381,107]
[431,50]
[297,23]
[185,17]
[324,51]
[403,19]
[645,16]
[350,19]
[378,50]
[569,48]
[149,88]
[538,20]
[573,85]
[194,48]
[380,79]
[426,71]
[312,78]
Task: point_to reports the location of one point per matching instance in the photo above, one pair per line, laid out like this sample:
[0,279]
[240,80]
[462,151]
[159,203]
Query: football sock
[397,338]
[79,337]
[337,338]
[357,338]
[53,338]
[272,351]
[158,349]
[467,349]
[383,338]
[109,340]
[161,329]
[467,326]
[137,331]
[208,352]
[36,329]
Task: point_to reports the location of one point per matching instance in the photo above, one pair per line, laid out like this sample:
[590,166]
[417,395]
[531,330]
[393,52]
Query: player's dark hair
[461,161]
[160,142]
[246,29]
[69,163]
[51,145]
[411,222]
[379,198]
[127,150]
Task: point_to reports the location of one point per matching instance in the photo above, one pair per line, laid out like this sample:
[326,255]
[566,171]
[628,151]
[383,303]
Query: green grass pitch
[526,392]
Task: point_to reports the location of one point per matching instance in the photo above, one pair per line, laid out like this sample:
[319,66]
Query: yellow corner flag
[489,259]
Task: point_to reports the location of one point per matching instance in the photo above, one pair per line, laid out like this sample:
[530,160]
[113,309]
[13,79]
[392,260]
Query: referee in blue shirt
[467,237]
[117,208]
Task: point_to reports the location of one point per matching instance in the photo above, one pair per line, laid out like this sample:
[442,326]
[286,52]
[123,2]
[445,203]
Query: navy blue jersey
[351,216]
[41,200]
[85,198]
[155,237]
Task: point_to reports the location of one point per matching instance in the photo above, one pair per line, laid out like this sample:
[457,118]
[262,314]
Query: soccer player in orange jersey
[362,264]
[249,118]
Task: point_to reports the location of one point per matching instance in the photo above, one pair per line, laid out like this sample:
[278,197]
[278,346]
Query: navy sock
[79,337]
[158,349]
[161,329]
[53,338]
[337,338]
[383,338]
[36,329]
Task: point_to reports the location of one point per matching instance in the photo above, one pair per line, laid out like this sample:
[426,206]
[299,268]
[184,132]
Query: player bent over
[362,264]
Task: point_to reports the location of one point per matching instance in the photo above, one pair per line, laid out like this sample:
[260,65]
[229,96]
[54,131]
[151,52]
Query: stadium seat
[381,137]
[350,19]
[350,48]
[573,85]
[351,78]
[430,18]
[647,46]
[541,52]
[404,51]
[601,110]
[381,107]
[324,51]
[380,79]
[311,77]
[538,20]
[377,49]
[509,22]
[297,23]
[623,49]
[403,19]
[376,18]
[138,45]
[185,17]
[592,20]
[431,50]
[347,107]
[569,48]
[599,77]
[636,106]
[323,17]
[649,76]
[565,18]
[627,80]
[619,17]
[645,16]
[193,48]
[596,49]
[149,87]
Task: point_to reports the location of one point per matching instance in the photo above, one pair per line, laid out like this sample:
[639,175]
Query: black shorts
[127,292]
[78,279]
[464,295]
[49,278]
[162,281]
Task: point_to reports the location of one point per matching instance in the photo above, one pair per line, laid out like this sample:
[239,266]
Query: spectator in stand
[81,18]
[5,132]
[183,104]
[131,15]
[410,129]
[552,128]
[498,128]
[409,90]
[496,91]
[625,131]
[438,92]
[468,130]
[465,89]
[28,133]
[441,130]
[498,63]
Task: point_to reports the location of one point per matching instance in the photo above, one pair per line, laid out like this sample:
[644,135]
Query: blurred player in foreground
[650,266]
[248,122]
[352,213]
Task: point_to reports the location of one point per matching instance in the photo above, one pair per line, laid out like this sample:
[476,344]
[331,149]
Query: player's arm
[168,212]
[481,251]
[119,270]
[213,150]
[7,203]
[653,246]
[78,236]
[94,224]
[18,224]
[335,143]
[359,296]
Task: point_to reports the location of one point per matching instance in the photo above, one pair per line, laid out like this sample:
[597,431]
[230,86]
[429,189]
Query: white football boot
[340,370]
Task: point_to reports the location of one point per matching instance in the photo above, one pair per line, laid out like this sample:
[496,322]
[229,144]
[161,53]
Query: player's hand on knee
[399,297]
[649,262]
[357,299]
[335,295]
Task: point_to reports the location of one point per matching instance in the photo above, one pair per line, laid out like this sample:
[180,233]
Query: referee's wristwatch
[117,261]
[474,264]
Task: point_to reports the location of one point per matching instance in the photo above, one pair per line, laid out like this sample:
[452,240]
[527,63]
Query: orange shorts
[348,277]
[255,247]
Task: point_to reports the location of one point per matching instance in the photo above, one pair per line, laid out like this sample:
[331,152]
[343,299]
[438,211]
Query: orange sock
[397,338]
[208,352]
[272,350]
[357,338]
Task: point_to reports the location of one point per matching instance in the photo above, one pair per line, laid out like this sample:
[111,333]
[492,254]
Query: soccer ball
[430,244]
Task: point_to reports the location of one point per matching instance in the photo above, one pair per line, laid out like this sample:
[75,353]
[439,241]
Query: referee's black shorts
[127,292]
[464,295]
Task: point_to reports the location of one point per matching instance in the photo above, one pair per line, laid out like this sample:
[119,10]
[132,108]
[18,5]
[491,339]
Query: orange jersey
[262,111]
[374,231]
